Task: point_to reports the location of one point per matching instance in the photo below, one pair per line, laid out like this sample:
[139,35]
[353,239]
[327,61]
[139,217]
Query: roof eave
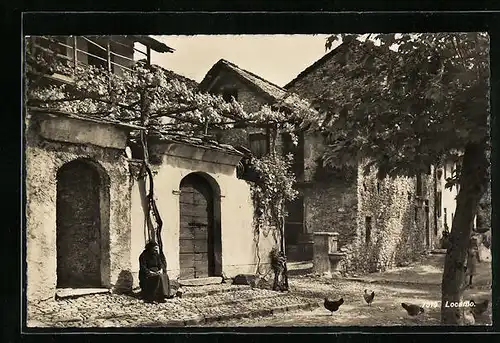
[154,44]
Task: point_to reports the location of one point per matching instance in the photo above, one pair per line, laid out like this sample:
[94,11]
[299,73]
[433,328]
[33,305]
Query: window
[368,230]
[439,174]
[259,144]
[429,170]
[228,93]
[445,168]
[445,210]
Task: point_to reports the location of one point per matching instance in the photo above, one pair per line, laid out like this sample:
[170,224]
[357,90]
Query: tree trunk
[473,182]
[283,249]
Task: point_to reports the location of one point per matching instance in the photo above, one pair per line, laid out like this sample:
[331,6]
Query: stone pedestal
[325,243]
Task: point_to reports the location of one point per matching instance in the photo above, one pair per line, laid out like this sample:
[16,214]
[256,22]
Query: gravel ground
[118,310]
[386,309]
[243,306]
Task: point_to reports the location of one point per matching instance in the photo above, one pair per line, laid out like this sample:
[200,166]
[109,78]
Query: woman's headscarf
[150,246]
[148,251]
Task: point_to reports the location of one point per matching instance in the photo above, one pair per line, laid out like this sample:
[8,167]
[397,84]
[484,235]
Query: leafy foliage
[274,189]
[146,89]
[405,101]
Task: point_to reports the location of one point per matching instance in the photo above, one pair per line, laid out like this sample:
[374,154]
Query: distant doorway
[427,225]
[294,229]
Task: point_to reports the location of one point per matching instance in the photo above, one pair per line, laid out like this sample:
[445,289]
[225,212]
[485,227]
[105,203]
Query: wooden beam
[148,55]
[75,53]
[108,57]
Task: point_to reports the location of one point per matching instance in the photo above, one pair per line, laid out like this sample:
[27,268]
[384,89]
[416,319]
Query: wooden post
[268,139]
[108,50]
[148,55]
[206,127]
[75,53]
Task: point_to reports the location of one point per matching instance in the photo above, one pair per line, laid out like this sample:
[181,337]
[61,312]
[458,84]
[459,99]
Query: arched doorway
[79,209]
[199,239]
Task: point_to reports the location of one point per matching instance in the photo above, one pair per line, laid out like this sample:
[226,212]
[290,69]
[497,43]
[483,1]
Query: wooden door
[196,228]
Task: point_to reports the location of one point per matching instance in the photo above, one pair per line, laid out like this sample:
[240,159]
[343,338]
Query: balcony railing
[73,51]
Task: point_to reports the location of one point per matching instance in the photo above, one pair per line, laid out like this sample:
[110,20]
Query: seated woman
[153,278]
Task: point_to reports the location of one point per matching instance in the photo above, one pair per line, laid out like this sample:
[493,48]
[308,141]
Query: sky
[276,58]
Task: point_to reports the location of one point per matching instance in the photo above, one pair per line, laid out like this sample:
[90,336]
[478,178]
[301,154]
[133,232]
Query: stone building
[381,223]
[252,92]
[446,198]
[378,223]
[86,221]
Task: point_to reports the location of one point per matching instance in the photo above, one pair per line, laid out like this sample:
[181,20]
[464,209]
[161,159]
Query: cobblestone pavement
[232,305]
[114,310]
[227,305]
[386,309]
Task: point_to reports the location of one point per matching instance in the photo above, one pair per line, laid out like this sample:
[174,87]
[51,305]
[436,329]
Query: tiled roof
[60,113]
[316,64]
[353,45]
[200,142]
[190,83]
[269,88]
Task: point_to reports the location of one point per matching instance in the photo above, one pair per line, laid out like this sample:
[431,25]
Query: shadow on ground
[430,271]
[419,284]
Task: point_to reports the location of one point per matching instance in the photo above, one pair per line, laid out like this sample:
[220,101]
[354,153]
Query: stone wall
[389,205]
[247,96]
[331,207]
[43,160]
[313,151]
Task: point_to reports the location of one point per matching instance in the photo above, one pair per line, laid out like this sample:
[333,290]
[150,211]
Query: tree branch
[169,113]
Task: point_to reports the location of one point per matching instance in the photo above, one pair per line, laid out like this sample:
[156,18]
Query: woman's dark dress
[153,287]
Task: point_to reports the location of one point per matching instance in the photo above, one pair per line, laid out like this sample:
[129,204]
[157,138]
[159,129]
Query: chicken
[479,308]
[468,317]
[333,305]
[179,293]
[413,310]
[369,297]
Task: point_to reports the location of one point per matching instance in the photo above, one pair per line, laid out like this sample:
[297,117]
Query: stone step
[300,268]
[241,308]
[438,252]
[65,293]
[214,280]
[196,292]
